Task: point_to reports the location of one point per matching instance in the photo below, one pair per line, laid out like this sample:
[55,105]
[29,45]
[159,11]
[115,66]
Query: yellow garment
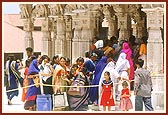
[143,49]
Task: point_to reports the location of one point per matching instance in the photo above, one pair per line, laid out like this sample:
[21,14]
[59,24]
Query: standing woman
[55,61]
[76,102]
[60,76]
[143,51]
[126,49]
[46,72]
[26,79]
[123,69]
[12,79]
[33,75]
[97,75]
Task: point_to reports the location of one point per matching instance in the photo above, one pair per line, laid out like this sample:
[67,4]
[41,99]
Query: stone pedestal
[159,92]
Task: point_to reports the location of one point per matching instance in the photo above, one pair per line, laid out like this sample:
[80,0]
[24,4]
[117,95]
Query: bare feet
[9,102]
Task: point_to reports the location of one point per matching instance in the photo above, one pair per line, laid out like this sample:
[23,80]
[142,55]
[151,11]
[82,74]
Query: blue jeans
[139,103]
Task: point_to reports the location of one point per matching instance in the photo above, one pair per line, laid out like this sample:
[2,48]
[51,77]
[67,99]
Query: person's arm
[101,89]
[136,83]
[111,92]
[150,81]
[33,76]
[129,94]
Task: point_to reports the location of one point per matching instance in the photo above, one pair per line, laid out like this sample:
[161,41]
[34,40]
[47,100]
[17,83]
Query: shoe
[9,102]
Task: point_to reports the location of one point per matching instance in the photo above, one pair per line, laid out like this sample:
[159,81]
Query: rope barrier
[55,85]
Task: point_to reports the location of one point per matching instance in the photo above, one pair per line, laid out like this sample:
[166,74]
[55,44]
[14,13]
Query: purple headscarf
[33,68]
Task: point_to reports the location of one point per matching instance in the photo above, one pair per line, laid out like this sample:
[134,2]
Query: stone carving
[70,7]
[24,11]
[82,6]
[56,9]
[106,11]
[40,10]
[146,6]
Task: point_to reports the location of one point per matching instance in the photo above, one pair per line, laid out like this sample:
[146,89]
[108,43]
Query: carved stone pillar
[60,41]
[124,20]
[124,24]
[112,29]
[54,29]
[112,22]
[28,26]
[76,38]
[155,42]
[155,55]
[68,43]
[46,39]
[140,18]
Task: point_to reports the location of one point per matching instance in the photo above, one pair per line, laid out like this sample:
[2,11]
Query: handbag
[75,91]
[60,100]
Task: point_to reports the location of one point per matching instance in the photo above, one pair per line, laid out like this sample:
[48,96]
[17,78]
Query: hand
[111,97]
[135,93]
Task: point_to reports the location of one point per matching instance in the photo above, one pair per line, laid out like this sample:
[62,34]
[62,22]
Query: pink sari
[126,49]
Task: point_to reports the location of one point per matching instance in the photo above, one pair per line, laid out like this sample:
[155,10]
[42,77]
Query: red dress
[125,103]
[105,99]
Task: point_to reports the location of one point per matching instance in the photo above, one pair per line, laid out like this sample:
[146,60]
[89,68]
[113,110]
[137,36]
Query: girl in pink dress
[125,102]
[107,92]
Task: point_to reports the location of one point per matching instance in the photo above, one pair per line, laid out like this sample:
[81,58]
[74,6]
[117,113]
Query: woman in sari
[60,77]
[126,49]
[12,79]
[97,75]
[123,69]
[80,103]
[33,91]
[26,80]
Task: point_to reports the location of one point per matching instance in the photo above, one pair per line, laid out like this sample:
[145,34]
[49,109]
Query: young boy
[142,87]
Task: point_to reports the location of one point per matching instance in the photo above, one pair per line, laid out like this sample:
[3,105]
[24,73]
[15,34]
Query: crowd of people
[110,66]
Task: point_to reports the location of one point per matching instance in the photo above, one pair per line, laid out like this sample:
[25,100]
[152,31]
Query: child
[125,102]
[107,92]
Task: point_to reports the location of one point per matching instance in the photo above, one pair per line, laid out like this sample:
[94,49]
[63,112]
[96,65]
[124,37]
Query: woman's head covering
[126,49]
[33,68]
[121,61]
